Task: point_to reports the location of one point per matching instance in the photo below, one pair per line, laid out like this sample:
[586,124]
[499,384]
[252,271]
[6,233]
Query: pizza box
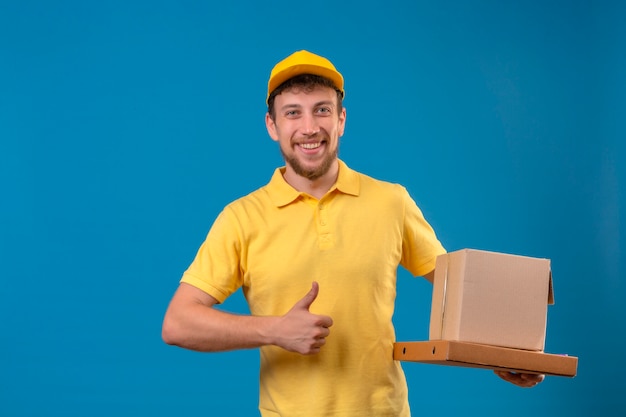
[472,355]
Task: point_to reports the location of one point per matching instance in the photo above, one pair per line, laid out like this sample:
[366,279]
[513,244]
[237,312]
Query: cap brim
[287,73]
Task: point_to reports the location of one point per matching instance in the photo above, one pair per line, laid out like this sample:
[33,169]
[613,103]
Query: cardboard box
[491,298]
[443,352]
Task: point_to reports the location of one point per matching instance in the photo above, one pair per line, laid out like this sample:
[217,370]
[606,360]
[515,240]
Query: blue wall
[126,126]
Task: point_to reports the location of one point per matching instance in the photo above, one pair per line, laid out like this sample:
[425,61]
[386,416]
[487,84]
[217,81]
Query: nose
[310,127]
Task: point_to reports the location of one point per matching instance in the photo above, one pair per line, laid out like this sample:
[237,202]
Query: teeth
[311,145]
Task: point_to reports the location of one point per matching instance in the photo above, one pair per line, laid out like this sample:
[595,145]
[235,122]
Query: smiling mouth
[314,145]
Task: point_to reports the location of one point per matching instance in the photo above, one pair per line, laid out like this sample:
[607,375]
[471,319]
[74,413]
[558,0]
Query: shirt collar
[283,194]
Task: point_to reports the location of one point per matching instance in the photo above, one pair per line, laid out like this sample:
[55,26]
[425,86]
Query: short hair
[307,82]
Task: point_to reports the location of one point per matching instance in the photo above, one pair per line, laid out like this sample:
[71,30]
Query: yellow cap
[303,62]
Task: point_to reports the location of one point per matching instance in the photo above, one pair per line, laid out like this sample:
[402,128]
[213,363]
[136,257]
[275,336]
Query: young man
[316,253]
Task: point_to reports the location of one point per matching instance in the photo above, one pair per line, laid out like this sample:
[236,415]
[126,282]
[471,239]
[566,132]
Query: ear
[271,127]
[342,122]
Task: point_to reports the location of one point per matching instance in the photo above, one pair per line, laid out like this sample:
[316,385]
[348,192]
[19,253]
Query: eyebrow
[298,106]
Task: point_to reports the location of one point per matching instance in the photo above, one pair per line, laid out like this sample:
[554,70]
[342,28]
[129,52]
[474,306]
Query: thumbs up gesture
[301,331]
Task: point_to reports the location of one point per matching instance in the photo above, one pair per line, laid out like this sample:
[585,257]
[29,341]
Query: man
[316,253]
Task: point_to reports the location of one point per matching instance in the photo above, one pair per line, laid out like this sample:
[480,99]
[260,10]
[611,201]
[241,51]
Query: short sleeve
[216,266]
[420,245]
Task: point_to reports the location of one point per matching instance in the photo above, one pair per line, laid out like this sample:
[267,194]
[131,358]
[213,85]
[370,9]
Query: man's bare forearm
[204,328]
[192,322]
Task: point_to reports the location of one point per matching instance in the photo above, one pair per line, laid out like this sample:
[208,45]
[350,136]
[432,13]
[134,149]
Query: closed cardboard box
[491,298]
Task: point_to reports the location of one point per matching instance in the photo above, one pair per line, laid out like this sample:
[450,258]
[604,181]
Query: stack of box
[490,310]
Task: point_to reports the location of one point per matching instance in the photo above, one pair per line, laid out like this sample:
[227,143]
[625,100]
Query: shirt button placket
[323,216]
[326,239]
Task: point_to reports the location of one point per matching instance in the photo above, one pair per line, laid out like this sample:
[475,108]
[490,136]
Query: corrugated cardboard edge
[471,355]
[449,296]
[439,293]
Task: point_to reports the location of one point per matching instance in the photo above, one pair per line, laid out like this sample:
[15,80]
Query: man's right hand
[192,322]
[301,331]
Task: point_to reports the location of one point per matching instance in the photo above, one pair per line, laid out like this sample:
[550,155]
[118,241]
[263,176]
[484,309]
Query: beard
[311,173]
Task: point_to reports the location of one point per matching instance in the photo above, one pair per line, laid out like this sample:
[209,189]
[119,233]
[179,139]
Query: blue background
[125,127]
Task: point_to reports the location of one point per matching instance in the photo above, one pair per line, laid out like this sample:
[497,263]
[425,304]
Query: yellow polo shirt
[275,241]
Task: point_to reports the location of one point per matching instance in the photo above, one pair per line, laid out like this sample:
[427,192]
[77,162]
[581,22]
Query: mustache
[316,137]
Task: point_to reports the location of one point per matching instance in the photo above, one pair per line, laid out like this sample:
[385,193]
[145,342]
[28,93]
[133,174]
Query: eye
[324,110]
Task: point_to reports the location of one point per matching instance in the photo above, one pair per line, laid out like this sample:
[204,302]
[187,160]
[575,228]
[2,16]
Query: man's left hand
[521,379]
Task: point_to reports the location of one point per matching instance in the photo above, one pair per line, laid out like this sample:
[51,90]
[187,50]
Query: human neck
[317,187]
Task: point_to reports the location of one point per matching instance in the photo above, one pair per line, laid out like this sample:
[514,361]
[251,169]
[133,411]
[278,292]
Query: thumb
[308,299]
